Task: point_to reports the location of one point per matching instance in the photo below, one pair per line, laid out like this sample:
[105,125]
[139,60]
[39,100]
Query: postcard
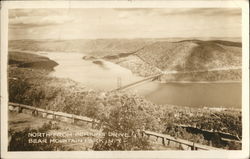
[125,79]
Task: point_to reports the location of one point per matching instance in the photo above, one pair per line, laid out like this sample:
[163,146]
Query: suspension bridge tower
[119,82]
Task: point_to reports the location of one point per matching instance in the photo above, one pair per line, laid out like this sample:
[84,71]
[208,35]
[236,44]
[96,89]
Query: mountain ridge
[146,57]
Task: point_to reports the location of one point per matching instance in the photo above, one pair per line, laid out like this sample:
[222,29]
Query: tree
[19,140]
[123,128]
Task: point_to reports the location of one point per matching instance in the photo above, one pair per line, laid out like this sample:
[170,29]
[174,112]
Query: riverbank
[34,86]
[144,69]
[190,82]
[72,66]
[140,67]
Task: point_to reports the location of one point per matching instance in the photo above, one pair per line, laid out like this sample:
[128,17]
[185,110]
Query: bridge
[176,72]
[140,81]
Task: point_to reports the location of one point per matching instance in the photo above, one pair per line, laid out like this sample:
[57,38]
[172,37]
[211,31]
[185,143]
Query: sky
[96,23]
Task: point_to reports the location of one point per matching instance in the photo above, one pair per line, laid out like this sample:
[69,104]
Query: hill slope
[147,57]
[191,55]
[27,60]
[192,60]
[95,47]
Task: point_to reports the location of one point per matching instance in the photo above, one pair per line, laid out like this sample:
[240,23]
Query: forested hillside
[215,60]
[95,47]
[190,55]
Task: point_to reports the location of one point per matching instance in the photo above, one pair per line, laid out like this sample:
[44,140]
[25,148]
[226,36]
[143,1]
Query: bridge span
[140,81]
[177,72]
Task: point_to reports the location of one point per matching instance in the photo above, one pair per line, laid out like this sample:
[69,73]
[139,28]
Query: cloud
[13,13]
[28,18]
[205,12]
[135,11]
[123,22]
[124,15]
[38,21]
[182,11]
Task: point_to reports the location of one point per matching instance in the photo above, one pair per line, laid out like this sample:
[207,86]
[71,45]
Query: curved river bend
[107,76]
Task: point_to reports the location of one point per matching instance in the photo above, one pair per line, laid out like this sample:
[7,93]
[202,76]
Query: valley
[197,78]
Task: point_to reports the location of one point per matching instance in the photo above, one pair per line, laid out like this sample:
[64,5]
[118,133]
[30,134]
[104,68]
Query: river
[107,76]
[103,76]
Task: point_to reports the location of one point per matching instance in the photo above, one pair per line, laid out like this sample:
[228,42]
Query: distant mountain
[95,47]
[170,54]
[191,55]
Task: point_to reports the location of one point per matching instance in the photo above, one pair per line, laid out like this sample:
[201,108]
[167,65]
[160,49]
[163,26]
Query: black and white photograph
[124,79]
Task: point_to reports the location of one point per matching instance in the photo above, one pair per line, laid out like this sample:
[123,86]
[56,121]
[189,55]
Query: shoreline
[200,82]
[169,82]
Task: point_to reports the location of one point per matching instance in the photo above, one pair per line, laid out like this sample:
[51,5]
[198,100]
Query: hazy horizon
[124,23]
[168,38]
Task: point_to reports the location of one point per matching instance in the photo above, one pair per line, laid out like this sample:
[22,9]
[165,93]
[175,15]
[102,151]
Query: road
[203,70]
[178,72]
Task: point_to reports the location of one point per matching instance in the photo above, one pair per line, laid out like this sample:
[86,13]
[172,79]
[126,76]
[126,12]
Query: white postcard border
[244,153]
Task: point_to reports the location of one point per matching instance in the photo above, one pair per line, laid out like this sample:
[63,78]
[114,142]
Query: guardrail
[224,136]
[71,118]
[76,119]
[184,144]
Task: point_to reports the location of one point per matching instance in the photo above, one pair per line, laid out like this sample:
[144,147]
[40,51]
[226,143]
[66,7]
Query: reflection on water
[106,76]
[193,94]
[97,74]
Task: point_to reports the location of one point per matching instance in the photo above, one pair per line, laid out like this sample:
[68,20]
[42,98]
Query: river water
[104,76]
[108,76]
